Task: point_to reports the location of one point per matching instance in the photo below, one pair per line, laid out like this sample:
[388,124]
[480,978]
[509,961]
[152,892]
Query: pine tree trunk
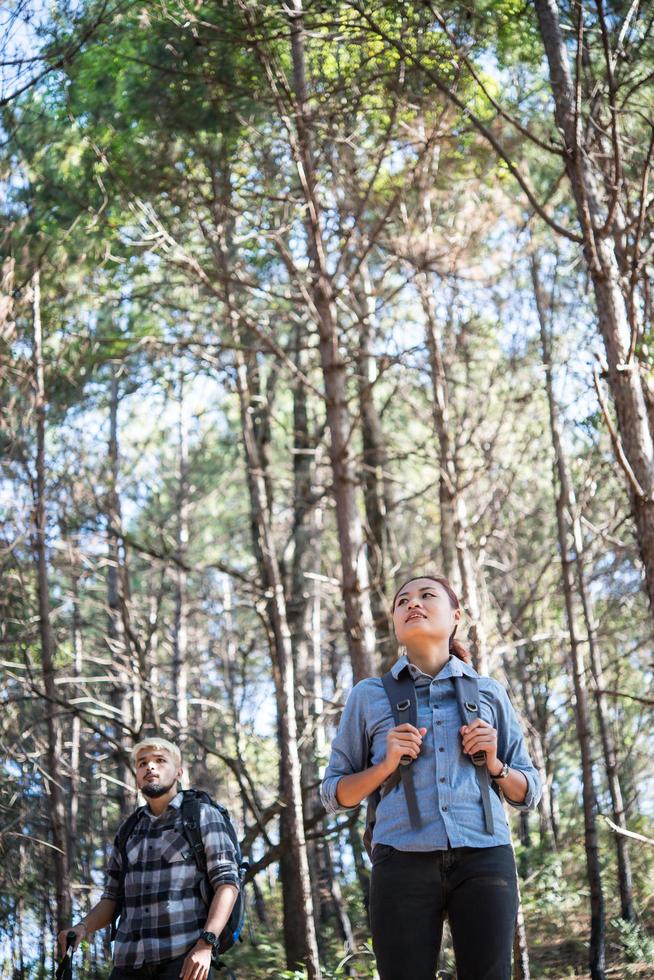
[602,261]
[299,928]
[582,720]
[582,717]
[376,491]
[57,807]
[115,634]
[300,941]
[454,517]
[180,626]
[625,879]
[521,970]
[355,585]
[78,663]
[305,559]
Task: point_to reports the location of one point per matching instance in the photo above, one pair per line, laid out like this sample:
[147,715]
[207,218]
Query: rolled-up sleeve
[350,749]
[112,875]
[511,749]
[222,863]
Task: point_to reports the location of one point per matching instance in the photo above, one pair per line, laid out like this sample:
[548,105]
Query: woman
[448,863]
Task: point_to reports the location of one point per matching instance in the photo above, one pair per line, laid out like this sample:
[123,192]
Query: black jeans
[410,894]
[166,970]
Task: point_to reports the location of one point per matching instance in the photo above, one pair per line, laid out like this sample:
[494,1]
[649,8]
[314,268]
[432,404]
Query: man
[165,930]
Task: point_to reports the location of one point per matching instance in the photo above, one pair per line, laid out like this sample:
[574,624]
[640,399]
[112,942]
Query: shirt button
[439,722]
[441,749]
[444,808]
[442,779]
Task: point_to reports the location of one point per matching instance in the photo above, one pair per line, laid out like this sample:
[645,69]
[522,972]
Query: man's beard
[154,790]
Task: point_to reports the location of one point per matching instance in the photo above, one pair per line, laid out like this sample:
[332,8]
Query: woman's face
[423,610]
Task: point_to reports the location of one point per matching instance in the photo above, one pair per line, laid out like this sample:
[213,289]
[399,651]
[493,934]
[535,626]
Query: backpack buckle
[403,705]
[470,706]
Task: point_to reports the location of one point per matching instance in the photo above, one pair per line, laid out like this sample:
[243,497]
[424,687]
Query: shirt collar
[175,803]
[453,668]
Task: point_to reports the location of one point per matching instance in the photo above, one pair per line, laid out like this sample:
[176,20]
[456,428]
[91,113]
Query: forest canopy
[296,300]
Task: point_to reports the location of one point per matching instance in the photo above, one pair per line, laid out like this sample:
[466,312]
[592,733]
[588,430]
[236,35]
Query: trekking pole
[65,968]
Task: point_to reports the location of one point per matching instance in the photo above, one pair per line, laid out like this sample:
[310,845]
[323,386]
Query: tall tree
[53,773]
[574,533]
[356,584]
[597,196]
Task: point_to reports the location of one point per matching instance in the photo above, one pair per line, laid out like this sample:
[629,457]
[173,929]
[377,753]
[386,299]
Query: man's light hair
[158,743]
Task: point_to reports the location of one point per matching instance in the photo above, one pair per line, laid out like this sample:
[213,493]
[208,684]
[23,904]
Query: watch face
[210,937]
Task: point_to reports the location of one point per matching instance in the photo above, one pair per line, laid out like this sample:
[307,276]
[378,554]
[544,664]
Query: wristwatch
[503,773]
[210,937]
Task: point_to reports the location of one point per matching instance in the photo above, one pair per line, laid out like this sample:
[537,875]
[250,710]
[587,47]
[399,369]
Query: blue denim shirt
[446,785]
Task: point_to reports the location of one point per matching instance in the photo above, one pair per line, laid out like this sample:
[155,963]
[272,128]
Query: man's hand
[81,932]
[198,962]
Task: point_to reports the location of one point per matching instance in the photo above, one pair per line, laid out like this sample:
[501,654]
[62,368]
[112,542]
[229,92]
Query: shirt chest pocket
[136,848]
[175,849]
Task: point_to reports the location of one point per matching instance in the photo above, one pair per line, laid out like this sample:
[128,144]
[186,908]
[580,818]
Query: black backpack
[401,693]
[190,811]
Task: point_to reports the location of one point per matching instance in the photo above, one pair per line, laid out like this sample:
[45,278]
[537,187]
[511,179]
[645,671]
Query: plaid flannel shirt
[165,901]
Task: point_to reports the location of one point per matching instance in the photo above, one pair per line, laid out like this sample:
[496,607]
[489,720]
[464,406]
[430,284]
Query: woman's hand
[481,737]
[403,740]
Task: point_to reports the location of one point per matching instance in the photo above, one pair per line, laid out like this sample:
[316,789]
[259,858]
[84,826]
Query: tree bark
[582,717]
[355,585]
[115,634]
[521,969]
[131,653]
[299,929]
[603,265]
[376,490]
[566,490]
[180,628]
[53,781]
[75,736]
[305,558]
[454,516]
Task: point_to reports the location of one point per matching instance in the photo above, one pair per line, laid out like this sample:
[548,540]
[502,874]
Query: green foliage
[155,182]
[637,942]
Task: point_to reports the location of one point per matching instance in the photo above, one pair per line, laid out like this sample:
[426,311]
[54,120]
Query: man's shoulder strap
[126,827]
[191,824]
[192,802]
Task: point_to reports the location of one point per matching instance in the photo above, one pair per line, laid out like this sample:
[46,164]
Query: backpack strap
[467,695]
[401,693]
[120,842]
[191,827]
[192,830]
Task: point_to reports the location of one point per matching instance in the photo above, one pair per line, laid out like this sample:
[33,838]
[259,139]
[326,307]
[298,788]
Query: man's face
[156,772]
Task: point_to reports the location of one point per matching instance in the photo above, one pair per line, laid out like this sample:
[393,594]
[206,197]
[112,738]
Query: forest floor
[564,956]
